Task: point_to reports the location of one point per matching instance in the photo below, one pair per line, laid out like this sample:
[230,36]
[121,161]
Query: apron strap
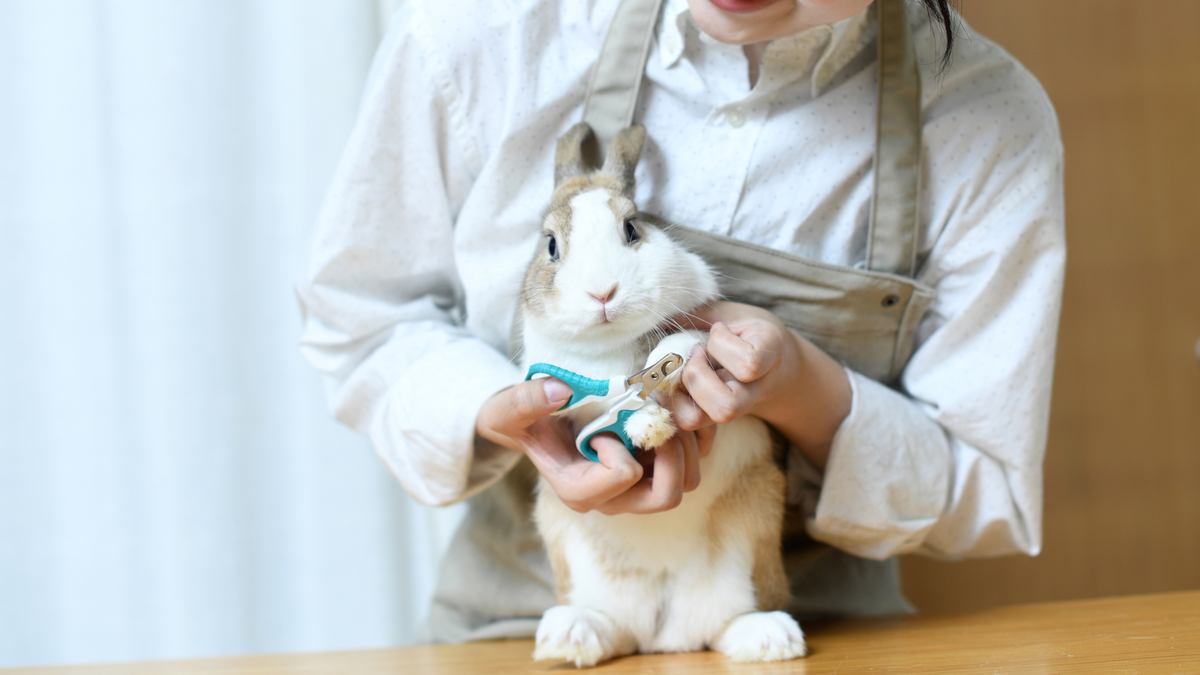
[892,231]
[612,96]
[892,234]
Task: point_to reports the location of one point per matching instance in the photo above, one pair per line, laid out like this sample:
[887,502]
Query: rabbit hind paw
[762,636]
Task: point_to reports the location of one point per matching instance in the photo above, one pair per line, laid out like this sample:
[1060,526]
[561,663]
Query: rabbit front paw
[650,427]
[762,636]
[579,635]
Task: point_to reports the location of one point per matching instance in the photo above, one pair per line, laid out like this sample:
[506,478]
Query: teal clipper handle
[581,387]
[584,388]
[618,428]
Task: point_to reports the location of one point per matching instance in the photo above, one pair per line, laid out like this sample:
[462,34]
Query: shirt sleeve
[382,299]
[949,462]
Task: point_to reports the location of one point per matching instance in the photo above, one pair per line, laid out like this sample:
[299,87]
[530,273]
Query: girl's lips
[741,6]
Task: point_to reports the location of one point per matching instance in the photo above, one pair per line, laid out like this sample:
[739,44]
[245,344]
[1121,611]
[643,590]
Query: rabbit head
[603,275]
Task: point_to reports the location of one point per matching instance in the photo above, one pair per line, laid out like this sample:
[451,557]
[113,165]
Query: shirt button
[671,43]
[735,117]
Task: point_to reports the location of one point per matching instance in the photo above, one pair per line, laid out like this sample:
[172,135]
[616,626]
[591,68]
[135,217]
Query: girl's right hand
[519,418]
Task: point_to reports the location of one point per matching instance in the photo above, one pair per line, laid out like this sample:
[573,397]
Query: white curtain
[171,484]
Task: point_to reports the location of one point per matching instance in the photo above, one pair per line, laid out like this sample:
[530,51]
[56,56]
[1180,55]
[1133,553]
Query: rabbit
[708,573]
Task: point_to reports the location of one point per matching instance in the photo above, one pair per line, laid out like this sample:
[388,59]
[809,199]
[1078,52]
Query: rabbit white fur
[707,573]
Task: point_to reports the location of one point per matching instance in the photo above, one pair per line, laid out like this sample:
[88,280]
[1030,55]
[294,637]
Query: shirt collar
[846,39]
[849,37]
[671,32]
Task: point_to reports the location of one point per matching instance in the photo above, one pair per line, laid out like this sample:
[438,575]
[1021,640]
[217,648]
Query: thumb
[535,399]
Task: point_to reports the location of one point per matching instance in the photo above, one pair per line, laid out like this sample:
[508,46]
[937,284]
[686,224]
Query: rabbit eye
[552,248]
[631,233]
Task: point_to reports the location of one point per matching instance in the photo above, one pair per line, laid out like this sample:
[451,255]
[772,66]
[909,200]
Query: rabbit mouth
[604,320]
[608,320]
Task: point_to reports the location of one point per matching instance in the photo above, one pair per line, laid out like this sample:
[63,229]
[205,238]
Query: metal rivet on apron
[891,300]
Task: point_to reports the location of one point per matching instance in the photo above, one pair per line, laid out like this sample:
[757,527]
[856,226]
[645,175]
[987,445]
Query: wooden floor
[1138,634]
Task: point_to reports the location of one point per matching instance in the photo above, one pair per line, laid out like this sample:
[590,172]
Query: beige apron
[496,581]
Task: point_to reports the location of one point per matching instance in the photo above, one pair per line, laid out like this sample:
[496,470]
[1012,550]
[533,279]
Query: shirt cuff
[888,476]
[425,430]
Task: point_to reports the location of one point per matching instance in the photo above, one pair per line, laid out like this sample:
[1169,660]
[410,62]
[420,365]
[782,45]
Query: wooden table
[1137,634]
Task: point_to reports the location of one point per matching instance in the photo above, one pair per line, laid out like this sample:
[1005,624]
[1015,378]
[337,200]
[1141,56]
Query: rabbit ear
[568,156]
[623,154]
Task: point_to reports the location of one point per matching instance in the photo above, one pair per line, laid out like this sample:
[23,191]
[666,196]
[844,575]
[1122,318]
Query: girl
[908,229]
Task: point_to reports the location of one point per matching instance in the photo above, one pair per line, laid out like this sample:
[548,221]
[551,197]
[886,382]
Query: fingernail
[556,390]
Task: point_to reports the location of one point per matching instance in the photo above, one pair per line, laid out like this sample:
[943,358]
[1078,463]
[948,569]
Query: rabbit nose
[604,296]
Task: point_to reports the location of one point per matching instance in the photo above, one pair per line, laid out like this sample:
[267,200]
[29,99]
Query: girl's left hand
[755,365]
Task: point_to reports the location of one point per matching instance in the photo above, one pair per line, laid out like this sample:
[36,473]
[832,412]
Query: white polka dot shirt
[435,211]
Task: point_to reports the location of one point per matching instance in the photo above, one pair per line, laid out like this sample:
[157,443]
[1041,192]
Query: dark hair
[939,12]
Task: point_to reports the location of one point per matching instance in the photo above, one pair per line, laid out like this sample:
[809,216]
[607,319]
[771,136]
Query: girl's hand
[519,418]
[755,365]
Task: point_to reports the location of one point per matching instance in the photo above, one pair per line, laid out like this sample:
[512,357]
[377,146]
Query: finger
[629,501]
[747,356]
[688,416]
[704,440]
[691,460]
[582,484]
[722,397]
[661,491]
[668,479]
[622,470]
[612,453]
[520,406]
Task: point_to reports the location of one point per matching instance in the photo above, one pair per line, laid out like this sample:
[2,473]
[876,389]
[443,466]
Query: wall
[1123,465]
